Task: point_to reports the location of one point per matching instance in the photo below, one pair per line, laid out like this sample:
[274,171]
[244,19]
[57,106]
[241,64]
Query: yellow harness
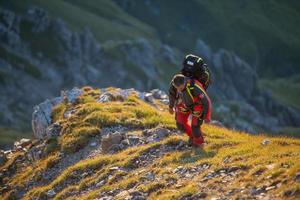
[189,88]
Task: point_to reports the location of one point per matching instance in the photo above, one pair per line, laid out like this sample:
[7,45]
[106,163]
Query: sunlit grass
[278,160]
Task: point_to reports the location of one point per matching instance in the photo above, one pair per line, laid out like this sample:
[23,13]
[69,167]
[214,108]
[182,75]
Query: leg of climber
[196,131]
[196,126]
[182,116]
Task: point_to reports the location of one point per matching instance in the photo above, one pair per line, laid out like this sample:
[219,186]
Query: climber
[190,99]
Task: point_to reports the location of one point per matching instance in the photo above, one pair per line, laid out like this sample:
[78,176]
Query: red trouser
[193,131]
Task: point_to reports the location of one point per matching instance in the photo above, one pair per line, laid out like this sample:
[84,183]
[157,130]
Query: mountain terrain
[252,53]
[113,143]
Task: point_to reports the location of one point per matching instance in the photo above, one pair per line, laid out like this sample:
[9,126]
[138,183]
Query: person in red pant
[190,99]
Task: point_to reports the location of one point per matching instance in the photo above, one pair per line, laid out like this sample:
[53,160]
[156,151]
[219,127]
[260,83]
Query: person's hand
[171,111]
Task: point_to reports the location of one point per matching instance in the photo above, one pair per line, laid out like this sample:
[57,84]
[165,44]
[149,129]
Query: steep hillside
[264,33]
[48,46]
[105,19]
[40,55]
[122,144]
[287,90]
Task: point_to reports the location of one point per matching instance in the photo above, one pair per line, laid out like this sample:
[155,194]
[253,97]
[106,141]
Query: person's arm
[204,99]
[172,96]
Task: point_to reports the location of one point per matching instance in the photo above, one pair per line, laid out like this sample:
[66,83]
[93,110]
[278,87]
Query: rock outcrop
[41,117]
[71,59]
[43,126]
[238,101]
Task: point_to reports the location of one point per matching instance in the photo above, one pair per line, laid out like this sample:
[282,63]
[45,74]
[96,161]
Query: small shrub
[51,145]
[102,119]
[78,138]
[86,99]
[58,112]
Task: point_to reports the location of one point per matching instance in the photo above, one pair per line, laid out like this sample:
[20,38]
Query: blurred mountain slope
[264,33]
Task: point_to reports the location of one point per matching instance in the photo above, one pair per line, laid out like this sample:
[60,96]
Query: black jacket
[193,94]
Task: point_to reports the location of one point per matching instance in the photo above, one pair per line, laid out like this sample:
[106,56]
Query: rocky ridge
[133,161]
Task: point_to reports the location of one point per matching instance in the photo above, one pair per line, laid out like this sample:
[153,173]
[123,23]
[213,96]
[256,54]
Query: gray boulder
[22,143]
[110,141]
[41,117]
[51,193]
[148,97]
[71,95]
[117,94]
[36,152]
[53,130]
[161,132]
[156,134]
[159,94]
[105,97]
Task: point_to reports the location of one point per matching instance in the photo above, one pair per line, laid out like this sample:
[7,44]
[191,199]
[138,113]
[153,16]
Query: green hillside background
[264,33]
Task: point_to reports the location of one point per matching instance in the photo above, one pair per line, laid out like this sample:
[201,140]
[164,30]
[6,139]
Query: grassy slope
[264,30]
[257,165]
[248,28]
[106,20]
[286,90]
[109,24]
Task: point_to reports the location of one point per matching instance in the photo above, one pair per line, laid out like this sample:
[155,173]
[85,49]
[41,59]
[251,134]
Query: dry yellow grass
[257,165]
